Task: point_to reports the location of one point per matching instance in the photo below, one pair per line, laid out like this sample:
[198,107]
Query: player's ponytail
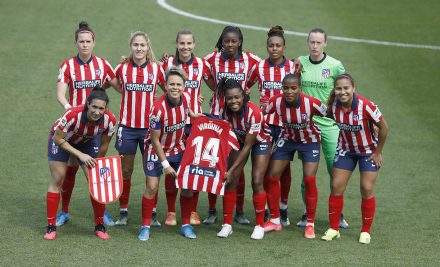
[97,93]
[83,27]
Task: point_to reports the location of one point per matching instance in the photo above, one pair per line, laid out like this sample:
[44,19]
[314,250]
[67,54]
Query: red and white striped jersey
[79,129]
[82,77]
[250,121]
[170,120]
[139,88]
[269,78]
[197,69]
[207,149]
[357,133]
[298,125]
[238,68]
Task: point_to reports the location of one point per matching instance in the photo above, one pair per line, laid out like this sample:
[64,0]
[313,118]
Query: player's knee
[367,190]
[127,172]
[258,185]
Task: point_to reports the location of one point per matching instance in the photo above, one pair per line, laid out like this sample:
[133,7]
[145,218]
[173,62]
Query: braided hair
[226,30]
[226,84]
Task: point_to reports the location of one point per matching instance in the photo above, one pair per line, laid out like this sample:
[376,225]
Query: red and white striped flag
[105,179]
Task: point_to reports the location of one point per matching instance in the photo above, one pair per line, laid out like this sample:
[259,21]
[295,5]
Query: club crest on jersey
[355,117]
[325,73]
[150,166]
[98,72]
[303,116]
[196,71]
[150,76]
[104,173]
[241,65]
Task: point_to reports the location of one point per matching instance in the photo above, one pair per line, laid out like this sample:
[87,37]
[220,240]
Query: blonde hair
[150,54]
[174,70]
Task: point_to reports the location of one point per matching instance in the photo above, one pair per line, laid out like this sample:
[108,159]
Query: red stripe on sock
[67,187]
[125,196]
[52,202]
[311,197]
[229,199]
[259,203]
[335,205]
[368,208]
[147,210]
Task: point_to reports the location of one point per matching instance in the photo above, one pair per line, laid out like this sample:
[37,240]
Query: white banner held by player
[105,179]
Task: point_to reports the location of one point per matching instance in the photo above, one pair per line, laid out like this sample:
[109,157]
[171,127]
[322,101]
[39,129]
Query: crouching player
[74,134]
[357,119]
[299,133]
[164,146]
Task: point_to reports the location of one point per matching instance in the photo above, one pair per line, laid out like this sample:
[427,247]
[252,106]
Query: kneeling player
[74,134]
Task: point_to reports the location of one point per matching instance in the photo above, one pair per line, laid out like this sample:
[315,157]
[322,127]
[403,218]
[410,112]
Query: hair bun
[83,25]
[276,30]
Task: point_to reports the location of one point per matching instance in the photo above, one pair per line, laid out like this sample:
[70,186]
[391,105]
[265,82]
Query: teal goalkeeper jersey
[317,80]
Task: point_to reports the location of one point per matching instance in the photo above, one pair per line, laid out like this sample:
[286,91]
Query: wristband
[165,164]
[67,106]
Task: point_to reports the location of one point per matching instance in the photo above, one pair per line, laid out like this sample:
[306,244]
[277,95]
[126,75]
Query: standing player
[138,76]
[358,142]
[74,135]
[197,70]
[248,124]
[229,61]
[299,133]
[164,148]
[269,73]
[317,74]
[80,74]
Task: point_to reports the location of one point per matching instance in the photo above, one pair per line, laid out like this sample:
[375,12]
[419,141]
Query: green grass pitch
[36,36]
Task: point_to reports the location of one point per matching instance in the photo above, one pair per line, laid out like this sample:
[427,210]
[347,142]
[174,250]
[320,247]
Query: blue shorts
[152,166]
[275,131]
[128,139]
[262,148]
[347,161]
[55,153]
[285,150]
[187,130]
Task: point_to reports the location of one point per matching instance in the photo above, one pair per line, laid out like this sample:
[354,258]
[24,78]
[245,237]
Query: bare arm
[58,139]
[116,85]
[157,146]
[383,132]
[61,95]
[242,156]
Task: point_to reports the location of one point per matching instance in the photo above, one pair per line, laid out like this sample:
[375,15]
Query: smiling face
[85,44]
[291,90]
[344,91]
[96,109]
[185,45]
[234,99]
[231,42]
[175,86]
[139,48]
[275,48]
[316,43]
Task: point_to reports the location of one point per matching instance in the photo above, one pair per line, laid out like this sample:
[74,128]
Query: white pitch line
[170,8]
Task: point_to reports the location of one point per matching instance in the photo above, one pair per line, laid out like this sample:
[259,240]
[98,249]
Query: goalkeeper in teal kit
[317,74]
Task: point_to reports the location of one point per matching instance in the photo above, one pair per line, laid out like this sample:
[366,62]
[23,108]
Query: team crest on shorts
[96,149]
[98,72]
[150,166]
[104,173]
[336,158]
[120,142]
[54,149]
[325,73]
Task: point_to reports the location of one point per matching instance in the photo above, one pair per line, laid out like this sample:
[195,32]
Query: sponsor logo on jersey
[311,84]
[192,84]
[175,127]
[210,126]
[104,173]
[256,127]
[204,171]
[297,126]
[325,73]
[231,75]
[86,84]
[139,87]
[348,127]
[98,72]
[272,85]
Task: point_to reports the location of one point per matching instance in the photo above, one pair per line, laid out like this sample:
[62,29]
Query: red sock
[335,205]
[212,199]
[67,187]
[240,193]
[147,210]
[195,201]
[259,203]
[274,197]
[170,192]
[285,182]
[185,208]
[229,199]
[52,202]
[311,197]
[126,186]
[368,209]
[98,211]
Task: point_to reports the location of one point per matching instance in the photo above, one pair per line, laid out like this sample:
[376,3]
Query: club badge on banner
[105,179]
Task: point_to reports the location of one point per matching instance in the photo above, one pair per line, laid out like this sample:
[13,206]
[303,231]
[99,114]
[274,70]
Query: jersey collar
[141,66]
[271,64]
[171,103]
[354,104]
[80,62]
[225,57]
[189,62]
[318,62]
[297,103]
